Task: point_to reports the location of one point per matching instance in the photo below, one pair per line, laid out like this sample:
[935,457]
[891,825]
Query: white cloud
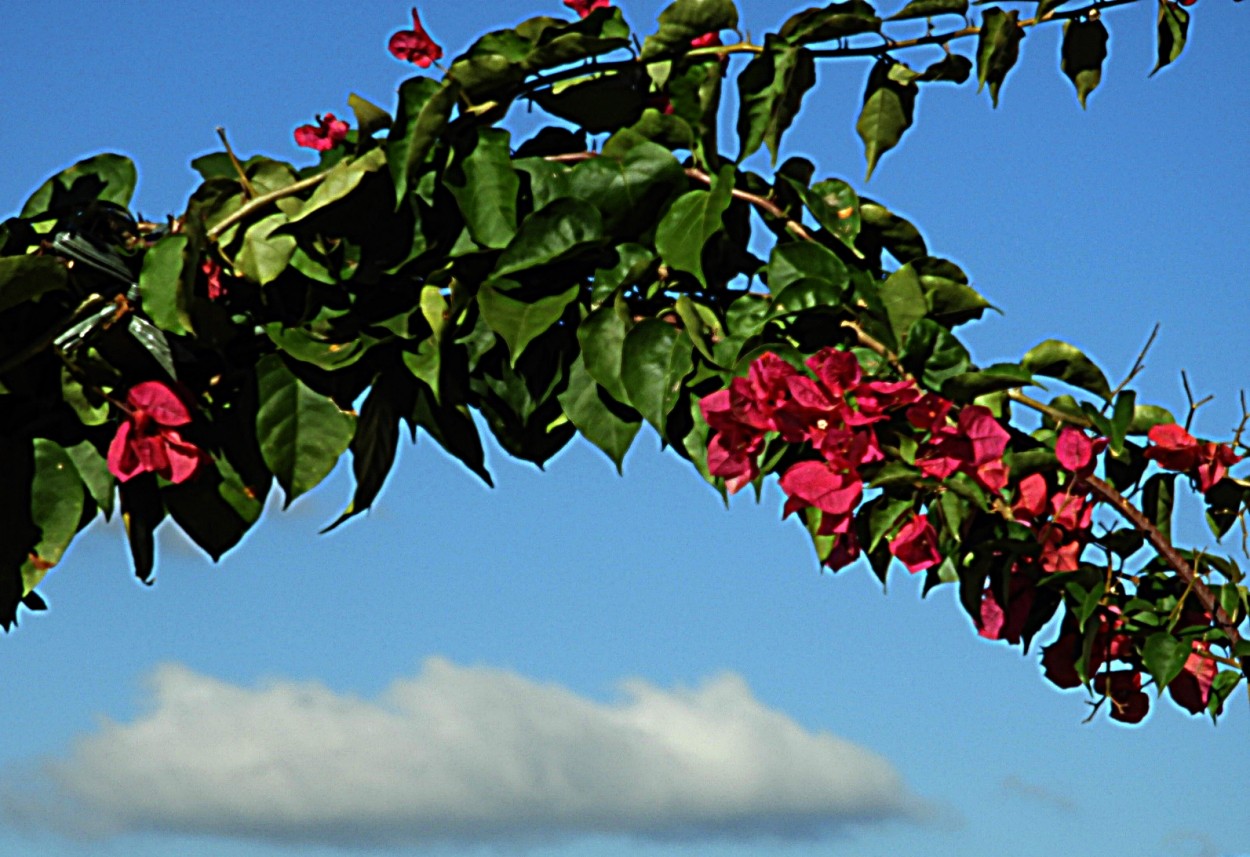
[461,754]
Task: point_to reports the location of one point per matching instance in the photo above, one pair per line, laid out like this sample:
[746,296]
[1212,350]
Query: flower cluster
[148,440]
[416,46]
[836,410]
[1176,449]
[325,135]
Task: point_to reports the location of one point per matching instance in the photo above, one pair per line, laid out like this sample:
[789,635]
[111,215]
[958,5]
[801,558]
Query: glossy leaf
[882,228]
[829,23]
[56,505]
[602,339]
[160,284]
[770,93]
[1164,657]
[998,48]
[370,118]
[930,9]
[553,233]
[655,360]
[691,222]
[215,509]
[1001,376]
[301,432]
[630,180]
[485,187]
[887,112]
[789,263]
[520,321]
[685,20]
[425,107]
[340,181]
[1068,363]
[904,301]
[933,354]
[1082,53]
[265,255]
[604,422]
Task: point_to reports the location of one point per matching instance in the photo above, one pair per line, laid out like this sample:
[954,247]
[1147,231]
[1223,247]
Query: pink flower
[975,446]
[1077,452]
[1000,621]
[326,134]
[415,45]
[915,544]
[707,40]
[1176,449]
[819,484]
[1191,690]
[212,271]
[584,7]
[148,441]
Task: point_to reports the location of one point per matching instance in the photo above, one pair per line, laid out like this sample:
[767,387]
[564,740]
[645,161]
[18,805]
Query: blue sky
[577,663]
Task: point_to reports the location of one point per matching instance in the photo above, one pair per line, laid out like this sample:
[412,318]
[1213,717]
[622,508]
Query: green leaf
[1001,376]
[951,301]
[933,354]
[799,260]
[301,432]
[951,68]
[340,180]
[425,107]
[485,187]
[887,112]
[142,513]
[835,205]
[691,222]
[1146,417]
[105,177]
[160,284]
[24,278]
[597,103]
[265,255]
[94,472]
[770,92]
[998,48]
[307,347]
[630,180]
[606,423]
[1056,359]
[930,9]
[1157,501]
[1224,501]
[1164,657]
[56,505]
[655,360]
[370,118]
[215,509]
[1173,30]
[602,339]
[832,22]
[685,20]
[519,321]
[887,230]
[904,301]
[555,232]
[1122,418]
[1084,48]
[376,438]
[806,294]
[453,429]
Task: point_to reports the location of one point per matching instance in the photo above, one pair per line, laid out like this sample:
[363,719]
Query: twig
[1138,365]
[263,200]
[248,190]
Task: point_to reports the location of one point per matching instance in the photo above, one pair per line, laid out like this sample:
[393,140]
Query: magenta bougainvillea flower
[915,544]
[148,440]
[585,7]
[326,134]
[415,45]
[1176,449]
[1077,451]
[1191,690]
[212,274]
[707,40]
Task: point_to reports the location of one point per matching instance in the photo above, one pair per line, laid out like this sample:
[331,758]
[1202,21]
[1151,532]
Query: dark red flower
[585,7]
[415,45]
[817,483]
[1000,621]
[915,544]
[326,134]
[1059,661]
[1123,687]
[148,441]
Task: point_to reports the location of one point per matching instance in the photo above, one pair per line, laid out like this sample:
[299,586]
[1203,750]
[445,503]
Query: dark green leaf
[691,222]
[105,177]
[215,509]
[24,278]
[607,424]
[485,187]
[1224,501]
[904,301]
[598,103]
[630,180]
[519,321]
[655,360]
[301,432]
[370,118]
[56,505]
[453,428]
[685,20]
[265,255]
[770,92]
[1068,363]
[341,179]
[998,48]
[1146,417]
[801,260]
[886,114]
[826,24]
[1157,499]
[142,513]
[1173,31]
[425,107]
[94,472]
[602,339]
[1081,56]
[806,294]
[1000,376]
[930,9]
[1122,418]
[933,354]
[553,233]
[952,68]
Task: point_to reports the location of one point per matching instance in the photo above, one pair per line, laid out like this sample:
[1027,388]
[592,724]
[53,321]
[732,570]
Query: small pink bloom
[1000,621]
[1191,690]
[1174,448]
[817,483]
[148,440]
[415,45]
[929,412]
[915,544]
[326,134]
[707,40]
[584,7]
[1077,452]
[212,271]
[1030,498]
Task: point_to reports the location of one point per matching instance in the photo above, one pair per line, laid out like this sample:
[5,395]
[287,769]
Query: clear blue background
[1089,226]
